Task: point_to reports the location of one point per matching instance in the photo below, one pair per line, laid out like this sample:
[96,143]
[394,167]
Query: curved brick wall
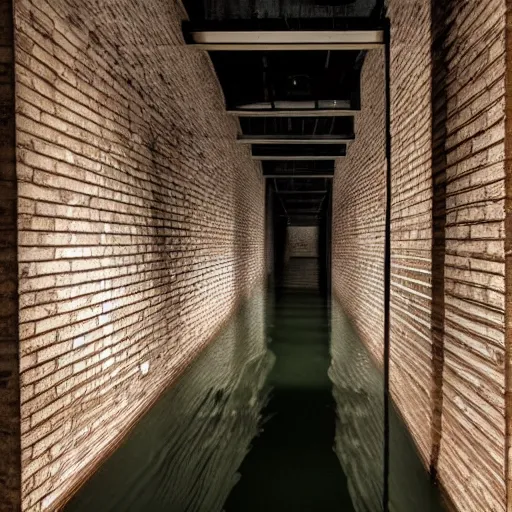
[141,223]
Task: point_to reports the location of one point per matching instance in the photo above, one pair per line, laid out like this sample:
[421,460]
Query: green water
[292,465]
[358,390]
[282,412]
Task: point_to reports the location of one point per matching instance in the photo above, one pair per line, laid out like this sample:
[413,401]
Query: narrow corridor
[255,255]
[283,411]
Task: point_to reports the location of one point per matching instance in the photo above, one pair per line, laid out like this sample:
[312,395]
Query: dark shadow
[10,449]
[279,227]
[292,465]
[439,30]
[324,243]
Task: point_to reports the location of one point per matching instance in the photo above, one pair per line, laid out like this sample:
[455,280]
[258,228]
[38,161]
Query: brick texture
[9,340]
[448,237]
[141,224]
[411,244]
[303,241]
[508,252]
[269,231]
[302,264]
[358,213]
[472,455]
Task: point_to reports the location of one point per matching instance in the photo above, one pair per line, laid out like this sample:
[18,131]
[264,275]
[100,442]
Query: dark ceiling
[273,76]
[296,106]
[278,9]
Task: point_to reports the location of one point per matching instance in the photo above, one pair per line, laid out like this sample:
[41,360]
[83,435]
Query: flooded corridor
[292,465]
[283,411]
[256,256]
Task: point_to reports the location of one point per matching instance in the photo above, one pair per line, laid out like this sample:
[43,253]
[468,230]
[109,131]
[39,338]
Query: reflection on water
[292,466]
[188,453]
[184,454]
[358,390]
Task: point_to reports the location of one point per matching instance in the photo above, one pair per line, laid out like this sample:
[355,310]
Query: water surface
[282,412]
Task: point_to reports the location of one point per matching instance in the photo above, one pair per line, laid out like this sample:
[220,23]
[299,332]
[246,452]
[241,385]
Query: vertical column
[9,367]
[439,105]
[508,256]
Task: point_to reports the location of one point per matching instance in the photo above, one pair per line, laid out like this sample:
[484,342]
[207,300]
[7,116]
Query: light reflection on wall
[185,452]
[358,389]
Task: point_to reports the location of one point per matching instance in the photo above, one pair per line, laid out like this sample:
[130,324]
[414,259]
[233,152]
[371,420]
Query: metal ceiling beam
[288,40]
[284,139]
[293,113]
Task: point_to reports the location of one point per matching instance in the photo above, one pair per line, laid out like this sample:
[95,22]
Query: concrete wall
[9,371]
[448,237]
[141,224]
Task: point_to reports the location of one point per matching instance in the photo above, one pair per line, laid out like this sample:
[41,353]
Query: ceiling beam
[295,157]
[302,176]
[285,139]
[288,39]
[291,209]
[303,214]
[294,200]
[301,191]
[233,47]
[293,113]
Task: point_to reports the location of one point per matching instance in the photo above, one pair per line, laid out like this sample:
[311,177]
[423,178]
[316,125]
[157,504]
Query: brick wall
[9,372]
[358,213]
[303,241]
[302,264]
[472,456]
[140,224]
[508,252]
[269,230]
[411,161]
[448,237]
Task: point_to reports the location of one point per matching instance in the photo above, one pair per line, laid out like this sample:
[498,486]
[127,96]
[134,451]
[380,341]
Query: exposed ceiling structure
[290,71]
